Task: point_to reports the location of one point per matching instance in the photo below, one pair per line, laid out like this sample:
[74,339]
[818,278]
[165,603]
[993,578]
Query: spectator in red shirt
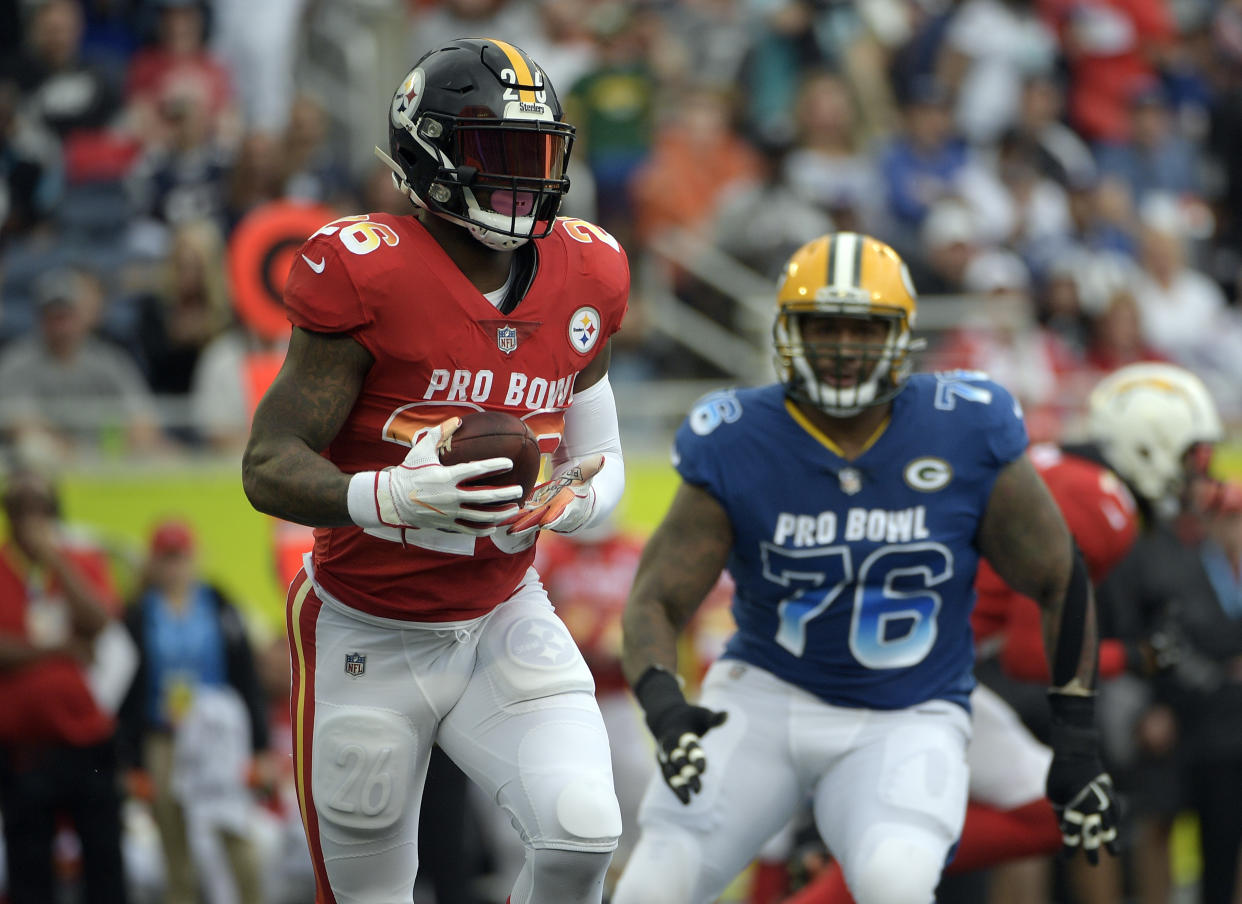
[179,65]
[57,758]
[1111,47]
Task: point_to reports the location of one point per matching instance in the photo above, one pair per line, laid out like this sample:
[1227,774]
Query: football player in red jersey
[418,618]
[1152,427]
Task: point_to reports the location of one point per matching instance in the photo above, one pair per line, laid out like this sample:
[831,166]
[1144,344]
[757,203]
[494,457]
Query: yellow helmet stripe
[520,69]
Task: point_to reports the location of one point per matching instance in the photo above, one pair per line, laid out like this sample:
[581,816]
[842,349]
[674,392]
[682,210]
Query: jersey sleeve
[320,294]
[696,452]
[1005,426]
[1103,518]
[603,267]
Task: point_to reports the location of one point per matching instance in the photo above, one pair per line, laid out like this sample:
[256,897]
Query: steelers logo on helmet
[475,135]
[845,308]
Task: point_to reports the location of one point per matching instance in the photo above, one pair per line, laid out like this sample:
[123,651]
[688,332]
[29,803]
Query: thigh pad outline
[363,769]
[535,657]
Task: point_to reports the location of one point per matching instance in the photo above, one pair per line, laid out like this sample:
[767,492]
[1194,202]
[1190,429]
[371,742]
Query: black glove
[1080,790]
[677,726]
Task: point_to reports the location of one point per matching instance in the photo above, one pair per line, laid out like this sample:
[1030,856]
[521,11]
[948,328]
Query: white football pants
[888,789]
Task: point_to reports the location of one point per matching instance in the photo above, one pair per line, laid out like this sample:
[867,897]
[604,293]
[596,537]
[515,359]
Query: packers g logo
[928,474]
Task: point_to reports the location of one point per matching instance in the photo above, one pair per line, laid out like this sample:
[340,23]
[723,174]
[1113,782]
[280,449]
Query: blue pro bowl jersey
[855,579]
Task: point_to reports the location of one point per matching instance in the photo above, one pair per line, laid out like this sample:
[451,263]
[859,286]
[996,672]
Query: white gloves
[564,503]
[421,492]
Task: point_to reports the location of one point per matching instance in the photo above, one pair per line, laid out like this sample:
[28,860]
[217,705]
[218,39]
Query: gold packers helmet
[844,274]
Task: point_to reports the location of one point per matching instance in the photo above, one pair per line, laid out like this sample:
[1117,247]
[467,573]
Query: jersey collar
[824,439]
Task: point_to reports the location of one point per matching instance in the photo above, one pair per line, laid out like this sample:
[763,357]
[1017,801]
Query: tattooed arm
[680,565]
[1026,539]
[282,471]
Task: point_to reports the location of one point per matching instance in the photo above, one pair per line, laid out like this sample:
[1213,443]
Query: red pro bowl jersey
[1103,518]
[442,349]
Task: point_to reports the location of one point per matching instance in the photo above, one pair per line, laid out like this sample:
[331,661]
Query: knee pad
[661,870]
[362,768]
[898,870]
[563,796]
[587,808]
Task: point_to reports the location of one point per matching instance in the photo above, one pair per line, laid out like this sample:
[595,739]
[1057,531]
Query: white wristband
[366,490]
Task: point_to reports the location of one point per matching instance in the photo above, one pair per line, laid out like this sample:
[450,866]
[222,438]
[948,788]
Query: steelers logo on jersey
[928,474]
[584,329]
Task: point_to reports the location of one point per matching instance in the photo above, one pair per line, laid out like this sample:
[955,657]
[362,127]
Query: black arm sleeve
[1074,629]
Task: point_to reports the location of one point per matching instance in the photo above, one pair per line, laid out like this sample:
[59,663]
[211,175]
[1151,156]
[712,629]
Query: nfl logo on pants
[355,664]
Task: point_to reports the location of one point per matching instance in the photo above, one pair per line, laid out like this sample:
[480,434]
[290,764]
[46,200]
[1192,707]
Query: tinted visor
[514,153]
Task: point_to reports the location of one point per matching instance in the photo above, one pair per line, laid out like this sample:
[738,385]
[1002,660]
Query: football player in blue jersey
[850,501]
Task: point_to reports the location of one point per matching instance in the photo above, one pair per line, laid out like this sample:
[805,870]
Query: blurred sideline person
[850,502]
[1149,424]
[1173,590]
[194,725]
[57,739]
[418,618]
[1184,578]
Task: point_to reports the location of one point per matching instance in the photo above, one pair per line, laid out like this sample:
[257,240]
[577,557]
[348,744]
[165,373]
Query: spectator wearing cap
[1100,220]
[1024,356]
[928,162]
[948,241]
[58,759]
[192,642]
[65,388]
[1156,156]
[178,68]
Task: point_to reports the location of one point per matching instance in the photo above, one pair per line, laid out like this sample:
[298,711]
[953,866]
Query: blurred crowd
[1078,157]
[1078,162]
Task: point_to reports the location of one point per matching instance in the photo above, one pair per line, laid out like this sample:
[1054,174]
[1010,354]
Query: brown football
[495,434]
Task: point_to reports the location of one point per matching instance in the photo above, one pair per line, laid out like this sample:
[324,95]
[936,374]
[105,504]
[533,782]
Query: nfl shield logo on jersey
[507,339]
[355,664]
[851,481]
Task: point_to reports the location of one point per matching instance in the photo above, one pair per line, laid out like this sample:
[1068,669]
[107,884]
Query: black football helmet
[475,135]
